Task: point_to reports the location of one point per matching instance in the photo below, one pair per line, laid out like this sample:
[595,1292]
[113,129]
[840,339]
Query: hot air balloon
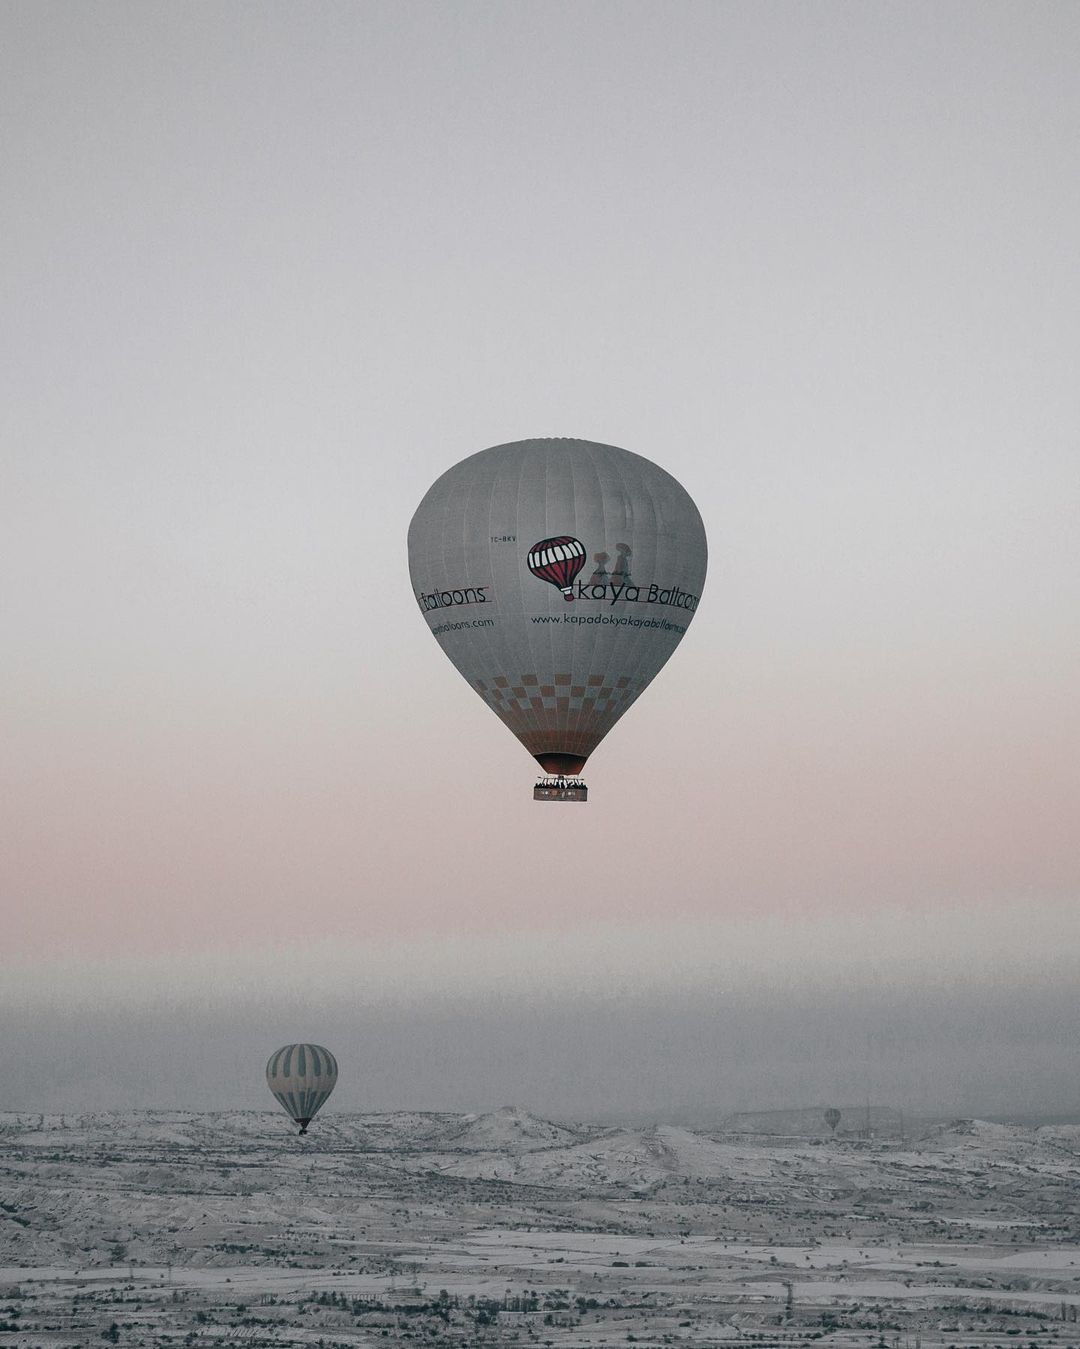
[832,1117]
[301,1078]
[509,555]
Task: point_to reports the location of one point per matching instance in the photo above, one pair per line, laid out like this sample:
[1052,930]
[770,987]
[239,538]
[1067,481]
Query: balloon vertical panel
[558,576]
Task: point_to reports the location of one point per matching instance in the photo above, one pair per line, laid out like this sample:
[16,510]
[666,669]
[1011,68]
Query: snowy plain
[178,1228]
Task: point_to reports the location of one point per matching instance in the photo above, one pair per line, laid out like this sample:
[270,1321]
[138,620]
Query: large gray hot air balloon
[558,576]
[301,1078]
[832,1117]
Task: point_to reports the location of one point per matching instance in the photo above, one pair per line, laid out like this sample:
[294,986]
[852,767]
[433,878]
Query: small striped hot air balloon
[301,1078]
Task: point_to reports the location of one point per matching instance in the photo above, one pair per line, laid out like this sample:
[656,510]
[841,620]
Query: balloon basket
[560,789]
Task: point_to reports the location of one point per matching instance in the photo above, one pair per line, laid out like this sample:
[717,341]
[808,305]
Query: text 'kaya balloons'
[558,576]
[301,1078]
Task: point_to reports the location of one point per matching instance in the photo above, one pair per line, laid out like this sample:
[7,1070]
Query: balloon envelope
[558,576]
[301,1076]
[832,1117]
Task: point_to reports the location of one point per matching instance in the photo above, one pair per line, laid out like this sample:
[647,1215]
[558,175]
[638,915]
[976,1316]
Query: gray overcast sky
[267,270]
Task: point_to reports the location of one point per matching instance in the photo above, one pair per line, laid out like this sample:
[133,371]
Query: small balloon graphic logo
[558,561]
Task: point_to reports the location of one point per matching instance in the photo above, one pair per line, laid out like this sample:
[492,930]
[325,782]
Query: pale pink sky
[268,270]
[140,838]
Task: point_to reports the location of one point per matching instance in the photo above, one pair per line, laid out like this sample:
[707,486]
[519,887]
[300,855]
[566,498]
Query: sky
[267,271]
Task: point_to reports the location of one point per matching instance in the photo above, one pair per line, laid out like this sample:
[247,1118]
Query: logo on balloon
[558,562]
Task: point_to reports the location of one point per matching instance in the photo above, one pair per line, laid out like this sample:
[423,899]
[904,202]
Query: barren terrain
[173,1228]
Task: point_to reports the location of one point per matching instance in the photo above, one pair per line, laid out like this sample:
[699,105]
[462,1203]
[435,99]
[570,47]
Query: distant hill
[810,1122]
[1038,1118]
[511,1128]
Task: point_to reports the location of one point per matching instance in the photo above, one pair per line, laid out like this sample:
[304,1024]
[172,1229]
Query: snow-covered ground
[176,1228]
